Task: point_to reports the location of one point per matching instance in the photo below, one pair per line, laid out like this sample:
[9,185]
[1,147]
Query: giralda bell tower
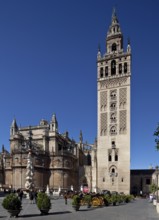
[113,86]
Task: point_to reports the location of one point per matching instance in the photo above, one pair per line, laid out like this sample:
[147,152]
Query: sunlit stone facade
[61,162]
[113,88]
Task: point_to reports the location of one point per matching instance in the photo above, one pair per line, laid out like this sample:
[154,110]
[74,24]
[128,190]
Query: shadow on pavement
[50,213]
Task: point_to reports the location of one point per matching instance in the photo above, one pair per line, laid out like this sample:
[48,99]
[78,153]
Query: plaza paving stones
[140,209]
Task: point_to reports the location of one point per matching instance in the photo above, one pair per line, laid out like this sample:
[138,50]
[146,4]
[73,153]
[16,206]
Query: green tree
[153,188]
[156,134]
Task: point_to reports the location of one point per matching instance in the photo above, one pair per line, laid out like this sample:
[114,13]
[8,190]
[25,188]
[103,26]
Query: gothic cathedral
[61,163]
[113,131]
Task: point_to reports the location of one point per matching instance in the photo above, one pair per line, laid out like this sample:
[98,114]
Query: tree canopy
[156,134]
[153,188]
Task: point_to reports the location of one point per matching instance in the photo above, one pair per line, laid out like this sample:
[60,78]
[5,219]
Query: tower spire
[114,39]
[128,46]
[114,28]
[114,16]
[54,123]
[81,137]
[14,127]
[99,52]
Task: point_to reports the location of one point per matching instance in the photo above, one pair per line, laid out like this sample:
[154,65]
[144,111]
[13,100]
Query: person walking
[31,196]
[35,195]
[65,197]
[20,195]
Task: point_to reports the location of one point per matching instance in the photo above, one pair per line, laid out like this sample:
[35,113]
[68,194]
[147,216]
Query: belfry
[113,132]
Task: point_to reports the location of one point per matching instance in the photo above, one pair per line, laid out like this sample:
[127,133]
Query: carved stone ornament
[113,83]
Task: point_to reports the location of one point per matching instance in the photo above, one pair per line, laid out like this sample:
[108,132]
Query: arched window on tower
[106,71]
[113,106]
[113,117]
[109,157]
[116,157]
[113,67]
[88,159]
[114,47]
[113,145]
[113,171]
[113,95]
[101,72]
[120,68]
[125,67]
[113,130]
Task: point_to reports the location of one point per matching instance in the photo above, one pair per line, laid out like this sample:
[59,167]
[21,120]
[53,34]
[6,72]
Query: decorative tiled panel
[103,124]
[122,97]
[122,121]
[103,100]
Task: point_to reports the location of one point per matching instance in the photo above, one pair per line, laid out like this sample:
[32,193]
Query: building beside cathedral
[62,162]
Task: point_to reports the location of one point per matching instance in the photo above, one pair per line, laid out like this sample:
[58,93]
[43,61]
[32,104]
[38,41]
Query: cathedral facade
[61,162]
[58,161]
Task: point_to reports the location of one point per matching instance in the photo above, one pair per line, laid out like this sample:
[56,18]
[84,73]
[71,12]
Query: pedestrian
[31,196]
[35,195]
[65,197]
[20,195]
[151,198]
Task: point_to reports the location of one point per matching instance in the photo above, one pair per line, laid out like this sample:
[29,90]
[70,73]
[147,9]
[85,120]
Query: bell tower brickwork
[113,88]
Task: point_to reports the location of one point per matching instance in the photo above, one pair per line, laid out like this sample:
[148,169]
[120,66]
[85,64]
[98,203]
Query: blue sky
[48,65]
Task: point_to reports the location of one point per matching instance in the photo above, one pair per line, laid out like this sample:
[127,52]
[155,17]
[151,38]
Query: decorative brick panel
[122,97]
[122,121]
[103,124]
[103,100]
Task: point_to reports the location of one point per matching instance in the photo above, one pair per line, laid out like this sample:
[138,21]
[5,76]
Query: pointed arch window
[125,67]
[113,144]
[113,95]
[113,67]
[116,157]
[101,72]
[110,157]
[114,47]
[88,159]
[113,118]
[113,106]
[120,68]
[113,130]
[106,71]
[113,170]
